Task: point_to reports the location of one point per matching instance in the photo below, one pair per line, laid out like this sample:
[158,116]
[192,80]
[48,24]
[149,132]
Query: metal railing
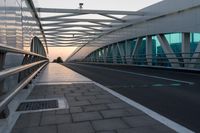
[170,59]
[31,65]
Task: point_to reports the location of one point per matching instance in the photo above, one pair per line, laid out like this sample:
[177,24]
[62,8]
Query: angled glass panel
[175,42]
[194,41]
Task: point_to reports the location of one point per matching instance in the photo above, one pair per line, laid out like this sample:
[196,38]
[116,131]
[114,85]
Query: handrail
[158,54]
[8,97]
[14,70]
[19,51]
[31,65]
[146,56]
[137,58]
[160,59]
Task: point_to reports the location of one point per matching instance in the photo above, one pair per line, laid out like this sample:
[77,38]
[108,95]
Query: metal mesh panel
[38,105]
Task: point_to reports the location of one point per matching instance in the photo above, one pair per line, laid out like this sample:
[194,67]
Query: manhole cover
[38,105]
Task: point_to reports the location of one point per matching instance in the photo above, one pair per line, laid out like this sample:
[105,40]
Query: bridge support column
[114,53]
[101,57]
[128,52]
[168,51]
[97,56]
[137,45]
[149,50]
[186,48]
[121,52]
[105,54]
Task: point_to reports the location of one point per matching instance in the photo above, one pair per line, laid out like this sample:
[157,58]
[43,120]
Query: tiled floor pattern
[91,110]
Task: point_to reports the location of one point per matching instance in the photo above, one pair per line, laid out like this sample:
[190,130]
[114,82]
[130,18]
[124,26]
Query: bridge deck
[91,108]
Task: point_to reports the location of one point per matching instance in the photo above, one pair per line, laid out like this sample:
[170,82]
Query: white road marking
[140,74]
[169,123]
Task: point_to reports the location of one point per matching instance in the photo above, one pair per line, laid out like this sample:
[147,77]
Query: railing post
[26,73]
[186,48]
[114,54]
[149,50]
[5,112]
[2,62]
[195,58]
[105,54]
[22,74]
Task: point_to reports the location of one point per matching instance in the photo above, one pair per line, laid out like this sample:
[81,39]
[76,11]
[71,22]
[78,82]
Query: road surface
[175,95]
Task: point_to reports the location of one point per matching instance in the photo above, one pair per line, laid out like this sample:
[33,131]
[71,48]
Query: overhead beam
[102,24]
[77,42]
[132,23]
[101,30]
[110,31]
[65,28]
[72,45]
[71,25]
[75,33]
[53,24]
[109,16]
[56,10]
[63,20]
[75,39]
[64,43]
[72,40]
[61,37]
[61,16]
[49,45]
[95,24]
[75,30]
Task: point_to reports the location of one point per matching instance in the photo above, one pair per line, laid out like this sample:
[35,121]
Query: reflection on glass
[17,25]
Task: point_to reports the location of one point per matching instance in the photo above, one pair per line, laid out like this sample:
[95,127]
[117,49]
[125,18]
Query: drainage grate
[38,105]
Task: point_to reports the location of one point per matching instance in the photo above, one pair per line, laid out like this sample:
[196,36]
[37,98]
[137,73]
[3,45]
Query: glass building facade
[18,26]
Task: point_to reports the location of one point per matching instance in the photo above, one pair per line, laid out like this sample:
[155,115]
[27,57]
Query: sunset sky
[63,52]
[128,5]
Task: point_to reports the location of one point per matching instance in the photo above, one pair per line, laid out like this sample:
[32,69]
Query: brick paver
[91,110]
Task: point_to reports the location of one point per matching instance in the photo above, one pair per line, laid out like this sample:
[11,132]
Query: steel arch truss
[146,51]
[79,27]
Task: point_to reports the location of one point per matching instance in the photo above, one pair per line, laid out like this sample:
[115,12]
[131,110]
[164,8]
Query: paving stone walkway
[91,109]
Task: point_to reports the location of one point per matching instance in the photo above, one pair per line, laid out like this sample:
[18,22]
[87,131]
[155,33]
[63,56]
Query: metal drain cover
[38,105]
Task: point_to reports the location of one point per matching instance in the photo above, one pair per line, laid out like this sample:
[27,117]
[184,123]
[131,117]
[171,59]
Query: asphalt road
[175,95]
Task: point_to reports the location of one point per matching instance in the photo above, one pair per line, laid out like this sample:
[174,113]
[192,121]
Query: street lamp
[80,5]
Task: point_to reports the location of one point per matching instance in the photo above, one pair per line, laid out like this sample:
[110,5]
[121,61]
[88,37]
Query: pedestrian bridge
[132,71]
